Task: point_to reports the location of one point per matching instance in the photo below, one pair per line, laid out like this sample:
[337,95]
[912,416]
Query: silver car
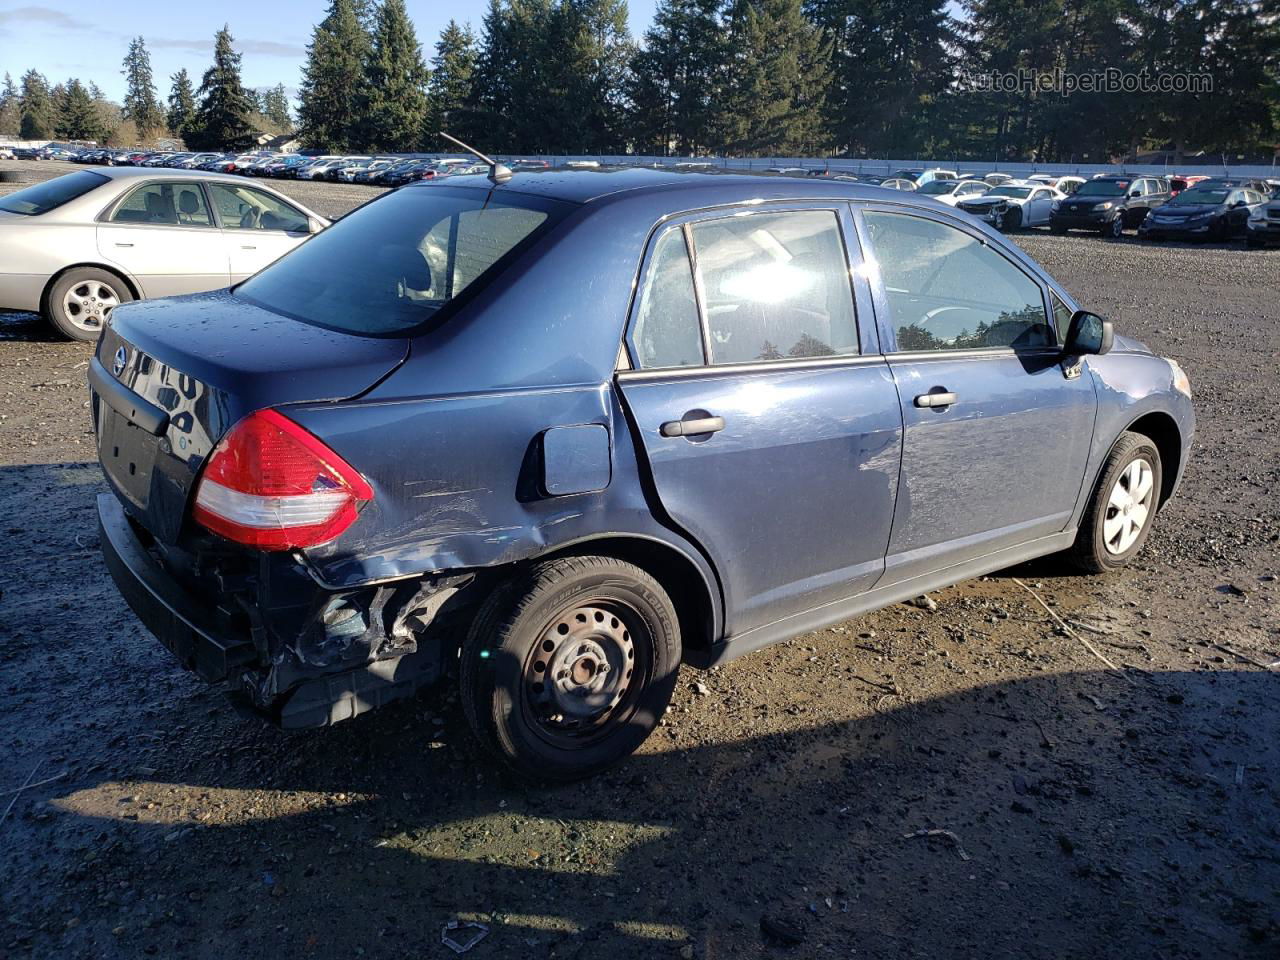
[76,246]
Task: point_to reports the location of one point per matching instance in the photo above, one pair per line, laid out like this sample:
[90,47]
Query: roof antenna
[498,173]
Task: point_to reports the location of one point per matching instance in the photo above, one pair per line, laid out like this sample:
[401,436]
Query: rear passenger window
[167,204]
[667,333]
[948,291]
[775,286]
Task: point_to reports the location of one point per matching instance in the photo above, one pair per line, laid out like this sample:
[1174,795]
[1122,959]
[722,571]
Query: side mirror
[1240,203]
[314,225]
[1088,333]
[1134,193]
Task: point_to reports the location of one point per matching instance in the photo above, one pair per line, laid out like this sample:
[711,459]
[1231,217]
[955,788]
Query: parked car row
[378,171]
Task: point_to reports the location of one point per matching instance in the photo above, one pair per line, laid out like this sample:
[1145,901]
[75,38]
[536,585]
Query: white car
[75,247]
[1067,184]
[952,192]
[1011,206]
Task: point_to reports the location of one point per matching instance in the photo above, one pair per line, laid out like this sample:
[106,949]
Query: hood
[1130,345]
[1183,210]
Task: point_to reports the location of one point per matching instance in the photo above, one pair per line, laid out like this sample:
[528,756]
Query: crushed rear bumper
[207,641]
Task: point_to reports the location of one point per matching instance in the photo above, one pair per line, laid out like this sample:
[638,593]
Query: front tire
[570,665]
[1123,506]
[81,300]
[1012,220]
[1114,229]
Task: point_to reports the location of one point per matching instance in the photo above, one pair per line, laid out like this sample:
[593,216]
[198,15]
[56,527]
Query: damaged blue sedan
[550,435]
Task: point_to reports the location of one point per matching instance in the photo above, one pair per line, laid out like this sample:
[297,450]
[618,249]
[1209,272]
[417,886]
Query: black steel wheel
[570,665]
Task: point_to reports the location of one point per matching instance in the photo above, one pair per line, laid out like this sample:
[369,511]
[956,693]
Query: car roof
[163,173]
[701,187]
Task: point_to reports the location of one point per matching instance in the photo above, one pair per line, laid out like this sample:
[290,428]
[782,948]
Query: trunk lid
[170,377]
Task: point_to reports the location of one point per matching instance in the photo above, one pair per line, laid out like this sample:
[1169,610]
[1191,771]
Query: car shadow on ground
[1084,814]
[26,326]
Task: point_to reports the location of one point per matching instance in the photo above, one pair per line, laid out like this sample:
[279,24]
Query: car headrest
[407,264]
[188,202]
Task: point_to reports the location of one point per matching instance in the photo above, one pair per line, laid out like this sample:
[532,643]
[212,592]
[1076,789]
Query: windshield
[938,187]
[390,266]
[1103,188]
[1200,196]
[51,194]
[1018,193]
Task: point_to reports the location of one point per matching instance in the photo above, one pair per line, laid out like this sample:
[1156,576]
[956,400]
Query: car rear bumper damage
[295,678]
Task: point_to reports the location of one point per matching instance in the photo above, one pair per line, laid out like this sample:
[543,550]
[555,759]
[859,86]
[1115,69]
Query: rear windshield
[52,194]
[392,265]
[938,187]
[1103,188]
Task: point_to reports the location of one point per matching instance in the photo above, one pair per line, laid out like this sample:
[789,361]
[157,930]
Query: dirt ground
[1090,812]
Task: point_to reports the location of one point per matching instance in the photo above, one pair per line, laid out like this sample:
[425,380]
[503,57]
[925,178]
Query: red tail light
[270,484]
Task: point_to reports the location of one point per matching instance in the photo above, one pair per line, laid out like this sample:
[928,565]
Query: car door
[163,234]
[260,228]
[996,434]
[1039,204]
[768,417]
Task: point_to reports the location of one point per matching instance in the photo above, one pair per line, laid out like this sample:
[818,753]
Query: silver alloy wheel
[1128,506]
[89,303]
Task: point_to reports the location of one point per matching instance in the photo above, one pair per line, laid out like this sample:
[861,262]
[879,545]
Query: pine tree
[678,83]
[333,80]
[182,104]
[395,104]
[222,117]
[891,64]
[140,104]
[778,81]
[37,121]
[10,108]
[107,113]
[79,119]
[588,49]
[275,107]
[449,86]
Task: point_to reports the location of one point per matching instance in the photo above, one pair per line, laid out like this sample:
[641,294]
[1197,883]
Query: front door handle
[119,244]
[692,428]
[247,247]
[945,399]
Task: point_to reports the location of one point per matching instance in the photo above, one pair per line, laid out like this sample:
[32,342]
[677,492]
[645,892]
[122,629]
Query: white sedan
[1020,203]
[75,247]
[951,192]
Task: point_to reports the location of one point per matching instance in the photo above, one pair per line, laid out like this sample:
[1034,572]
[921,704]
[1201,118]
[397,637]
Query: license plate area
[128,455]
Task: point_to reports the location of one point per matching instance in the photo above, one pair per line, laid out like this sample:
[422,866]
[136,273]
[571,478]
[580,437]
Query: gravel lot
[1091,812]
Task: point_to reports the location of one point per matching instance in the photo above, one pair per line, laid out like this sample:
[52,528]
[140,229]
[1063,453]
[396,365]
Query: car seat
[188,206]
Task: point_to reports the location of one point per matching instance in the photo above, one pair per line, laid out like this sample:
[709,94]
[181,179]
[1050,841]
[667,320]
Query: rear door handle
[935,399]
[118,244]
[247,247]
[692,428]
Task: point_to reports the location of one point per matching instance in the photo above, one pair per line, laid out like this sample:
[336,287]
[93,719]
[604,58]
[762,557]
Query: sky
[88,40]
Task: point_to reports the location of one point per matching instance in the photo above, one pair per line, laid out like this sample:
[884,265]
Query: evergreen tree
[223,115]
[449,86]
[333,80]
[891,64]
[182,104]
[106,112]
[37,116]
[79,118]
[275,107]
[395,104]
[679,79]
[10,108]
[588,49]
[778,81]
[140,104]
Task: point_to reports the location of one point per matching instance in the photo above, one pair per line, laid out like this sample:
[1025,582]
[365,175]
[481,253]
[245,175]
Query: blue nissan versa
[554,434]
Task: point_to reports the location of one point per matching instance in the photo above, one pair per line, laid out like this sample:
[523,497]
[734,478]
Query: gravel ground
[1089,811]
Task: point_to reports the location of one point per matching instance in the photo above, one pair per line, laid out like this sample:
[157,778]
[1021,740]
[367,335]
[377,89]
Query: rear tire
[80,302]
[570,665]
[1123,506]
